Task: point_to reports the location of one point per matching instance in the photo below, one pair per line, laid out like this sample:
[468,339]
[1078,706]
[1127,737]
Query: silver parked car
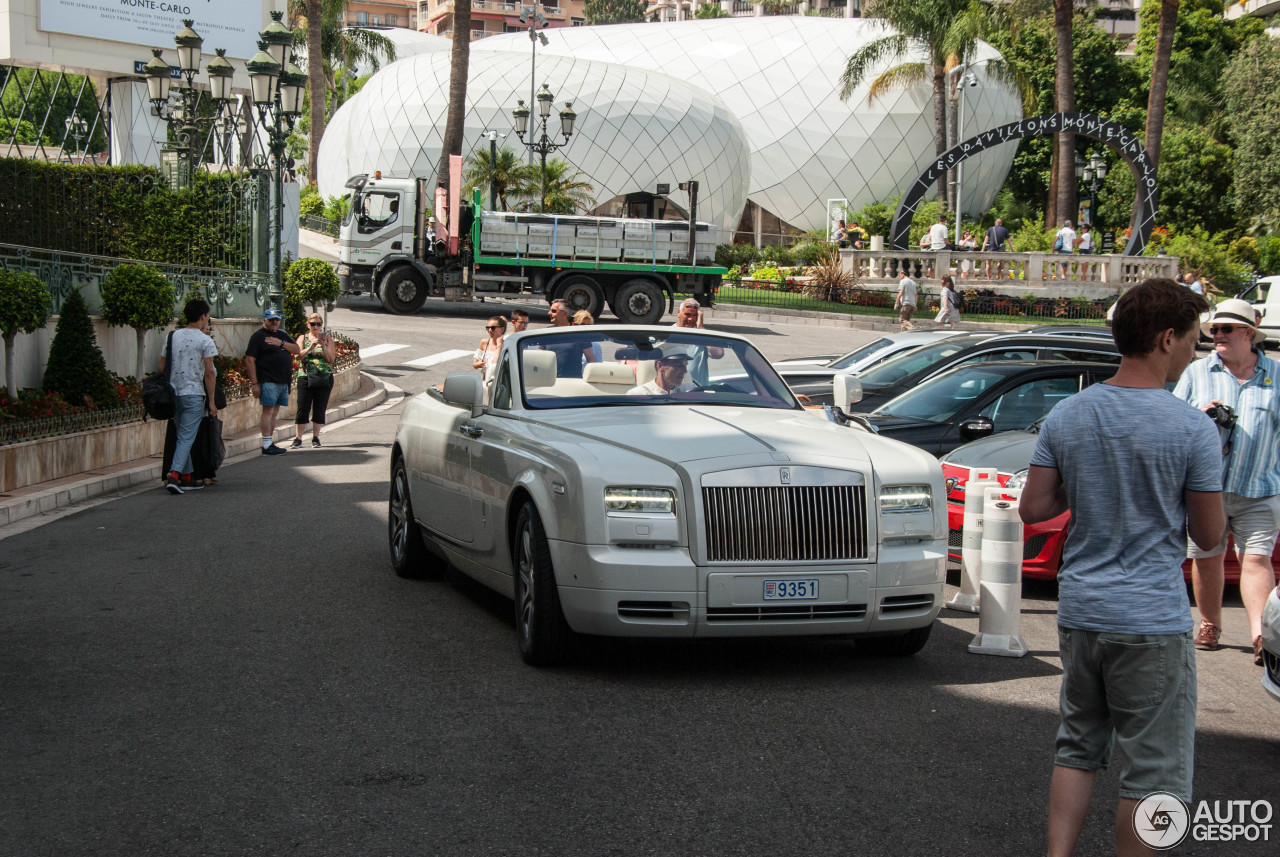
[633,481]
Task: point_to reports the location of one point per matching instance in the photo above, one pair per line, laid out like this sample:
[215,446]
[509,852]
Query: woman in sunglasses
[487,351]
[315,379]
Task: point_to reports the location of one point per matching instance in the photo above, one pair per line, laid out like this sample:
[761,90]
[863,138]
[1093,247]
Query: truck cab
[378,234]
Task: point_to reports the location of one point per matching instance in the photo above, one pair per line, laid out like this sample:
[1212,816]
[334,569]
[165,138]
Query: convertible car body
[612,485]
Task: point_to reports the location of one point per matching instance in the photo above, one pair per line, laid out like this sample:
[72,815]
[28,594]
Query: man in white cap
[1244,379]
[672,365]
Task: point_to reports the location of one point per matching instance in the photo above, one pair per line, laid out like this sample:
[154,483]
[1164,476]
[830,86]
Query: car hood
[676,433]
[1007,451]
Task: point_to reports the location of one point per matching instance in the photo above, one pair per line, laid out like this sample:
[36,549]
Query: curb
[71,490]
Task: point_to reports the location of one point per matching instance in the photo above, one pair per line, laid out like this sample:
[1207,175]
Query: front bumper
[639,592]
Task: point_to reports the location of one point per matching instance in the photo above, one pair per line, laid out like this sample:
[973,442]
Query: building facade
[490,17]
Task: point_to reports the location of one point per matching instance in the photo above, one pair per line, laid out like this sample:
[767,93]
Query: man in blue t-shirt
[1139,470]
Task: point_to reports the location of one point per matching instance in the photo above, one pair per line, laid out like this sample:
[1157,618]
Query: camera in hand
[1224,416]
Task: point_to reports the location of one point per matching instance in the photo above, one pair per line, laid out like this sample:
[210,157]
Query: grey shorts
[274,394]
[1253,522]
[1137,690]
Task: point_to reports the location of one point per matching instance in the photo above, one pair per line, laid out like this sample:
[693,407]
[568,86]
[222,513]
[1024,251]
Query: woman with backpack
[949,311]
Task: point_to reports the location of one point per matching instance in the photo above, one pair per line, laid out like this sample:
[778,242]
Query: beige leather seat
[539,372]
[608,377]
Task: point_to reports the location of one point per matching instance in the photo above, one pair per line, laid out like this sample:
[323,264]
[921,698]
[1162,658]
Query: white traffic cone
[967,599]
[1001,588]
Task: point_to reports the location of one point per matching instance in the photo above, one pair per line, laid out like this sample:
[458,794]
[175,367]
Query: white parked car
[1271,644]
[665,482]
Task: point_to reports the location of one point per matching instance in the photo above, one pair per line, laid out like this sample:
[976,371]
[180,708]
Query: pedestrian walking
[193,379]
[318,351]
[949,303]
[269,362]
[1239,384]
[1065,242]
[905,302]
[1128,666]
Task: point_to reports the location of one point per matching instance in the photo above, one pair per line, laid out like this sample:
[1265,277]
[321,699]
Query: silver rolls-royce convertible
[664,482]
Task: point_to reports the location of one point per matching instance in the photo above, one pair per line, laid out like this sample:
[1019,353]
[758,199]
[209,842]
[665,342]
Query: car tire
[638,301]
[409,555]
[897,645]
[541,631]
[403,291]
[580,293]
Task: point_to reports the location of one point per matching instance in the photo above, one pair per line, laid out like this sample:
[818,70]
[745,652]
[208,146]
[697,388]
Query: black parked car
[890,379]
[979,399]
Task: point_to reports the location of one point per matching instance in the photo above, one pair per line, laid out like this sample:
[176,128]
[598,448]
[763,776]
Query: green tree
[511,174]
[566,192]
[1251,86]
[311,281]
[51,99]
[710,10]
[24,308]
[76,369]
[140,297]
[613,11]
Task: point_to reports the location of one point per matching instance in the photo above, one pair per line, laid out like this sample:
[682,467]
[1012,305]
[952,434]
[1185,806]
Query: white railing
[1062,271]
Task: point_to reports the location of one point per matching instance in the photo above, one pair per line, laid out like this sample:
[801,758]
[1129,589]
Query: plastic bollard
[1001,586]
[967,599]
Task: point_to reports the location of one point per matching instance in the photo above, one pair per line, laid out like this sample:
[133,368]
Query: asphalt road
[238,672]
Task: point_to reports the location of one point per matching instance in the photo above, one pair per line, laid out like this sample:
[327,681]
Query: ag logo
[1161,820]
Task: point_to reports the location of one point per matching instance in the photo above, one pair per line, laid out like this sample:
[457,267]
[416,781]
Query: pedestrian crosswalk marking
[375,350]
[433,359]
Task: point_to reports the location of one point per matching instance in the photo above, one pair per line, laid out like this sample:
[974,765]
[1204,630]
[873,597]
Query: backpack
[957,301]
[158,399]
[1057,245]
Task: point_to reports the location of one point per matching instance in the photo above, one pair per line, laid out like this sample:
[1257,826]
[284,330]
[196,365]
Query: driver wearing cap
[672,366]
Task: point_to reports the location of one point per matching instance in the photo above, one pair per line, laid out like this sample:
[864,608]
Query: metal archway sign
[1081,124]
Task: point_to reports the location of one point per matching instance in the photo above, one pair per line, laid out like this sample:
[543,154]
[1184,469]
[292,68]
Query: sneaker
[315,442]
[172,485]
[297,443]
[1257,650]
[274,450]
[1207,639]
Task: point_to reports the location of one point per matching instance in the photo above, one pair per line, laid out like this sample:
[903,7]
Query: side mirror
[977,427]
[466,390]
[847,392]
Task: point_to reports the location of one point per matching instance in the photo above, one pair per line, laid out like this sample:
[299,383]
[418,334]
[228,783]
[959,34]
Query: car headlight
[1017,480]
[642,500]
[905,498]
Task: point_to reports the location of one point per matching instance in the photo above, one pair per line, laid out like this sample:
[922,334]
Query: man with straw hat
[1239,376]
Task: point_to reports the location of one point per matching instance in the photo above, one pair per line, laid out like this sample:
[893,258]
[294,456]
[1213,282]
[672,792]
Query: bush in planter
[76,368]
[308,281]
[24,307]
[140,297]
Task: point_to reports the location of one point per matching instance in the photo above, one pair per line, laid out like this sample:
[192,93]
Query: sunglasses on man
[1227,329]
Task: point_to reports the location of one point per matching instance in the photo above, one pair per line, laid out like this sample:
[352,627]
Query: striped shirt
[1253,467]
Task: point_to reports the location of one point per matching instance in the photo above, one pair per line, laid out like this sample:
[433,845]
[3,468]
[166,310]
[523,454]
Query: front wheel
[409,555]
[638,301]
[897,645]
[403,290]
[541,631]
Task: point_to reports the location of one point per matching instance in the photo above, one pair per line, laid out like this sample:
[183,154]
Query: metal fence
[18,431]
[323,225]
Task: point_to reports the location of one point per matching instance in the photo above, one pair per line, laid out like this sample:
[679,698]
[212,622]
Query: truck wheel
[638,301]
[403,290]
[580,293]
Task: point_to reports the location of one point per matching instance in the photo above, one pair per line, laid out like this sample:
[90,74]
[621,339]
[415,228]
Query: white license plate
[791,589]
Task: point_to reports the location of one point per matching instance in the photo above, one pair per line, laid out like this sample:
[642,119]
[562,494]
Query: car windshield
[938,399]
[857,355]
[603,367]
[894,370]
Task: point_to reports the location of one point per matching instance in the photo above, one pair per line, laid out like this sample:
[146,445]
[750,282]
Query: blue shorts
[274,394]
[1135,690]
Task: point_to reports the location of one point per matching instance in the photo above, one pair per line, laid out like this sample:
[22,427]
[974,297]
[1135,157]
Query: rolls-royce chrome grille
[785,523]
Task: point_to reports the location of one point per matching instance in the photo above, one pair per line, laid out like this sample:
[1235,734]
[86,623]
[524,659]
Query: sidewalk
[46,497]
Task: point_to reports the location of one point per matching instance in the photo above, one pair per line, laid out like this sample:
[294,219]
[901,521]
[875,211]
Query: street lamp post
[967,79]
[277,93]
[1092,172]
[536,21]
[539,141]
[76,128]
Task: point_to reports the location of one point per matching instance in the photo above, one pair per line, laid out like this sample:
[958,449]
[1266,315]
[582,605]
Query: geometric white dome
[635,127]
[780,77]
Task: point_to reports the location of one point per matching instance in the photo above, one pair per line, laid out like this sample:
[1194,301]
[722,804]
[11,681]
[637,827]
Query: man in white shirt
[672,367]
[905,304]
[1065,242]
[1085,241]
[937,238]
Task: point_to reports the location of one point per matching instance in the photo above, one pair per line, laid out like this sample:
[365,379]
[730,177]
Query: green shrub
[1032,237]
[766,272]
[877,217]
[24,308]
[736,255]
[310,203]
[140,297]
[1206,254]
[76,368]
[1269,255]
[812,251]
[307,281]
[336,208]
[778,255]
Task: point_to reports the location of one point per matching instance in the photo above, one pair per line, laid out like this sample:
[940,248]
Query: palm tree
[566,192]
[1160,78]
[1062,200]
[460,59]
[510,173]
